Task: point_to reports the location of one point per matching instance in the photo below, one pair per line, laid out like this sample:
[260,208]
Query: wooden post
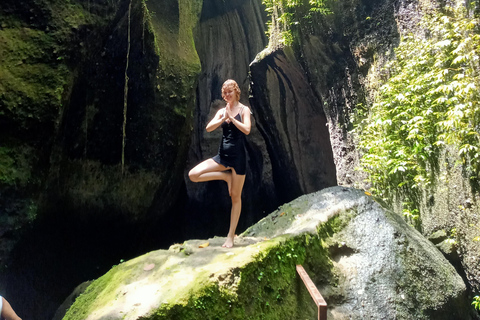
[314,293]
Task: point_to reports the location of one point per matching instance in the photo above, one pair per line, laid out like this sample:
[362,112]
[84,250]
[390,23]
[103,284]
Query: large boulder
[366,261]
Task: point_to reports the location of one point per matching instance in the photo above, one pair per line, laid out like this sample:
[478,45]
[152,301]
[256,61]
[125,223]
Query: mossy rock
[38,49]
[120,154]
[326,232]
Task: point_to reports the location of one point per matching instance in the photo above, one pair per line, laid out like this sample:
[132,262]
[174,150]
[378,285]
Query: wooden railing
[314,293]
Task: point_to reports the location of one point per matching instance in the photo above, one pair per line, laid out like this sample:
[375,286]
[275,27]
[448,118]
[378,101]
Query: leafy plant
[429,104]
[476,302]
[290,14]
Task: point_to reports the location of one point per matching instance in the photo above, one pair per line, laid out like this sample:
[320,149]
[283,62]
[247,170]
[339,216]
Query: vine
[429,104]
[125,92]
[289,14]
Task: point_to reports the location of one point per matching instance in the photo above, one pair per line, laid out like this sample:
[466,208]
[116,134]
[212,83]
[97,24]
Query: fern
[429,102]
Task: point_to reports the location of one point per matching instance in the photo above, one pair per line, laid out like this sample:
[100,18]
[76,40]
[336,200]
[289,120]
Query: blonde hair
[236,88]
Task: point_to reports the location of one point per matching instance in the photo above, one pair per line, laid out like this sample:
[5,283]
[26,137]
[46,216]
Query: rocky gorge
[103,105]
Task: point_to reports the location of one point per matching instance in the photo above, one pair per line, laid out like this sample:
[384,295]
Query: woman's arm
[244,126]
[216,121]
[7,311]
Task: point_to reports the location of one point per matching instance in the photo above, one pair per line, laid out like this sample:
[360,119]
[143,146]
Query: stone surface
[293,125]
[366,261]
[438,236]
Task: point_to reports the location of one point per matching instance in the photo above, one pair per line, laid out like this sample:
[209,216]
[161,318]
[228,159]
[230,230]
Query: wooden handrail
[314,293]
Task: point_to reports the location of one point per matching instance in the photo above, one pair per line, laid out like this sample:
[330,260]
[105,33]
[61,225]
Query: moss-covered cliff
[39,44]
[155,111]
[64,67]
[96,102]
[419,137]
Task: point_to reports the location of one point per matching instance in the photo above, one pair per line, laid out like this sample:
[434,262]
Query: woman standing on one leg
[230,163]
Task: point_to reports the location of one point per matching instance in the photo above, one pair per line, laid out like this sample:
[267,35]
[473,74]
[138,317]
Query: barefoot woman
[230,162]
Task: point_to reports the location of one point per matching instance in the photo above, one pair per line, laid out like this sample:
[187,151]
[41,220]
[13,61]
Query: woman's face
[229,94]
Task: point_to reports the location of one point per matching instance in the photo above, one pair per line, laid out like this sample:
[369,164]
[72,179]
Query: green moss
[102,186]
[102,290]
[39,43]
[91,294]
[179,63]
[176,48]
[31,86]
[258,281]
[267,288]
[14,166]
[334,224]
[30,82]
[33,75]
[16,183]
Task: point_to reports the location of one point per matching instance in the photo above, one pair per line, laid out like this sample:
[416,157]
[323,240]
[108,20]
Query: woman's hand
[228,113]
[219,118]
[244,126]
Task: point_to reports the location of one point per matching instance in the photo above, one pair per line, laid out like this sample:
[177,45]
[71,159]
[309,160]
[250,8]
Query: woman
[6,311]
[230,163]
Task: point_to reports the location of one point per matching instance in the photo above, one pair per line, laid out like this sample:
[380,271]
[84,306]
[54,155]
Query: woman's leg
[7,311]
[209,170]
[236,195]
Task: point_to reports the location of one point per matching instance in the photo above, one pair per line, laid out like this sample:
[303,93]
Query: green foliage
[429,103]
[292,14]
[476,302]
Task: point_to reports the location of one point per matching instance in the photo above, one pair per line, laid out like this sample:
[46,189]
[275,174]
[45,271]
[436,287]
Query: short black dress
[231,152]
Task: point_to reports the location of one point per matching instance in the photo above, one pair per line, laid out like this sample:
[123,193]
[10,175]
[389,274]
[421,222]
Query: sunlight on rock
[136,299]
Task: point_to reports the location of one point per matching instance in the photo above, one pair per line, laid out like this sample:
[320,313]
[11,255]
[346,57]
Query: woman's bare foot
[228,243]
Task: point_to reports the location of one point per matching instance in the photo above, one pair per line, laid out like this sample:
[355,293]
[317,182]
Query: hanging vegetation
[429,105]
[289,14]
[125,89]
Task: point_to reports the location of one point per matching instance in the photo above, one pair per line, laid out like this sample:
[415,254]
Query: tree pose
[230,163]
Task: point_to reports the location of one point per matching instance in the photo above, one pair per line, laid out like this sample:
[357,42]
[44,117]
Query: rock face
[366,261]
[123,148]
[38,43]
[342,56]
[289,150]
[112,128]
[227,38]
[114,158]
[293,125]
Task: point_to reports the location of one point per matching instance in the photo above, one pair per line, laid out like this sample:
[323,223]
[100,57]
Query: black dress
[231,152]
